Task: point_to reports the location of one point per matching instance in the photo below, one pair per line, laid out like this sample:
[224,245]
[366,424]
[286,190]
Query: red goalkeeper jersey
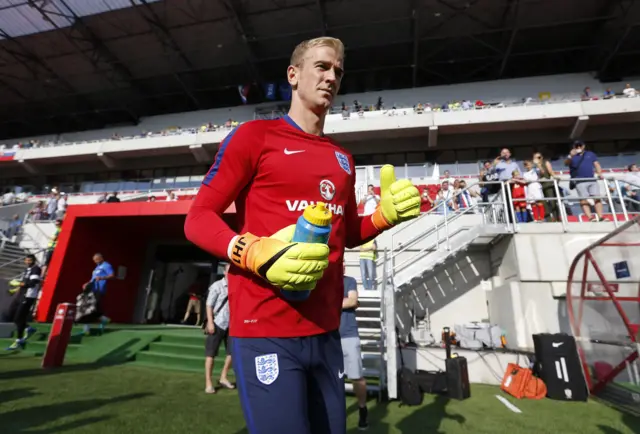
[273,170]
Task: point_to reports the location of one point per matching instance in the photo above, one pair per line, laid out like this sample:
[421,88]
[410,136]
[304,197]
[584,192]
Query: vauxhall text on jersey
[273,170]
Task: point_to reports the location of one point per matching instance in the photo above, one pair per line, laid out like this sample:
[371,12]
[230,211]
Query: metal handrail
[13,261]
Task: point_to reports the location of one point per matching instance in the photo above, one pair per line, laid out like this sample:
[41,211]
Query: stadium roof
[79,64]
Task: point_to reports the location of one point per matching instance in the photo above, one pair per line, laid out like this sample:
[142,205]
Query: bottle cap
[318,214]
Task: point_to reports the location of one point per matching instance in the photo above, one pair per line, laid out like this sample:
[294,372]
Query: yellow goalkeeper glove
[286,265]
[399,200]
[14,286]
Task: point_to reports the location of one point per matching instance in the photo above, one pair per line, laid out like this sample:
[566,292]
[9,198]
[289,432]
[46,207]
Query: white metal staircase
[11,259]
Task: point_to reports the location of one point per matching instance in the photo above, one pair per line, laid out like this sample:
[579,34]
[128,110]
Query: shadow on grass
[632,422]
[15,394]
[428,418]
[118,356]
[27,420]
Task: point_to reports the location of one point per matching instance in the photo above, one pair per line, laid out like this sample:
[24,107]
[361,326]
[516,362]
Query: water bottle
[313,226]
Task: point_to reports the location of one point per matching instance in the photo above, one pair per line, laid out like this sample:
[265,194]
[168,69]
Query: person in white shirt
[8,198]
[52,205]
[370,201]
[533,191]
[445,195]
[62,206]
[631,184]
[629,92]
[172,197]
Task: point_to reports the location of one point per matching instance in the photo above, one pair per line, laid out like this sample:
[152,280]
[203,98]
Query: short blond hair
[297,58]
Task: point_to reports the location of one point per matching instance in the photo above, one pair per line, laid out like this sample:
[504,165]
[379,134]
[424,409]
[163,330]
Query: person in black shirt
[113,198]
[489,174]
[28,288]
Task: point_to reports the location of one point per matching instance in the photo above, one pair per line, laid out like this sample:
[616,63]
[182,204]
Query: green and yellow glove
[286,265]
[399,200]
[14,286]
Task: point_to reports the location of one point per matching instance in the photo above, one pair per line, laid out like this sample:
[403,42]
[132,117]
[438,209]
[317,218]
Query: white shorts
[534,192]
[352,357]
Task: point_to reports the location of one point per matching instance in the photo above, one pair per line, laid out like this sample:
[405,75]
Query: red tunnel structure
[122,233]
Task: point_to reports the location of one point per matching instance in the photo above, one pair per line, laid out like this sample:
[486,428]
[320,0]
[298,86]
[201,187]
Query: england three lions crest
[267,369]
[343,160]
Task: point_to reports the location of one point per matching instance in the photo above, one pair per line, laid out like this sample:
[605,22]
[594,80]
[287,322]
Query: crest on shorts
[343,160]
[267,368]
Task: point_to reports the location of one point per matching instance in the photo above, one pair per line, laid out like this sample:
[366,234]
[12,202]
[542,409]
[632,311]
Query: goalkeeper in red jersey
[287,355]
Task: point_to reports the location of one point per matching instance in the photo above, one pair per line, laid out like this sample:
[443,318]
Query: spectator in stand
[629,91]
[51,247]
[466,197]
[445,200]
[61,206]
[368,256]
[151,198]
[447,177]
[533,191]
[427,202]
[545,172]
[518,195]
[632,181]
[38,212]
[102,198]
[9,197]
[172,197]
[14,226]
[505,167]
[488,174]
[113,198]
[370,201]
[583,167]
[52,205]
[608,94]
[586,94]
[345,111]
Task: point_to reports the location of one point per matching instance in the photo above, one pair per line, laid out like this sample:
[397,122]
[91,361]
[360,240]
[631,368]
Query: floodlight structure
[603,306]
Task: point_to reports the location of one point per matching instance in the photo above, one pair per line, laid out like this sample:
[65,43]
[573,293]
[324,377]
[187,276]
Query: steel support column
[515,6]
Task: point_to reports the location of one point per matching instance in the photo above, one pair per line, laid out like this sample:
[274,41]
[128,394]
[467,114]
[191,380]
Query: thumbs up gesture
[399,200]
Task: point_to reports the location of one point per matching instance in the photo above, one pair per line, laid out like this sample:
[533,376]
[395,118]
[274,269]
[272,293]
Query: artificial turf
[124,398]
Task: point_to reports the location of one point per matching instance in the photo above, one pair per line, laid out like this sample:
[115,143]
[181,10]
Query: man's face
[317,80]
[579,148]
[634,168]
[445,186]
[370,189]
[505,154]
[487,165]
[97,259]
[446,173]
[28,262]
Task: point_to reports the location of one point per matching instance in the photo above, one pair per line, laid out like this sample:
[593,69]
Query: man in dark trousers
[28,288]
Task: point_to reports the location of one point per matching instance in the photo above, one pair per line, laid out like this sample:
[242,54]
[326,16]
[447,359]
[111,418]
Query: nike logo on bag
[556,344]
[288,152]
[340,374]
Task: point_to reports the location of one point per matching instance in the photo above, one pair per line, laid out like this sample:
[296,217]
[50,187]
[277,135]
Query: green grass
[123,399]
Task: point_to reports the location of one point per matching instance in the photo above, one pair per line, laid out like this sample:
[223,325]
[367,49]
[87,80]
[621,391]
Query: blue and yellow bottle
[313,226]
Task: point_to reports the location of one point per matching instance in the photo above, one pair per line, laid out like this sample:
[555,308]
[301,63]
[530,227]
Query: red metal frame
[575,322]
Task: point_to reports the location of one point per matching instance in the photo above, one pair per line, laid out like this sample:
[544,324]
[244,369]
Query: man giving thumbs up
[399,200]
